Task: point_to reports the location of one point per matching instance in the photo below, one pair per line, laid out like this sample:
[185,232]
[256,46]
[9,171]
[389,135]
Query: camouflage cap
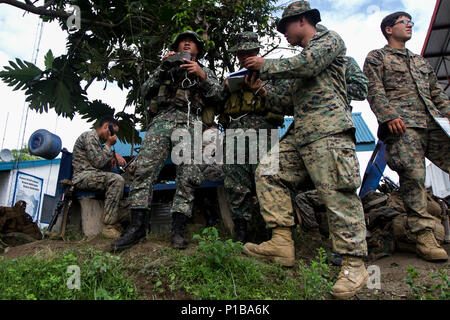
[195,36]
[246,41]
[295,9]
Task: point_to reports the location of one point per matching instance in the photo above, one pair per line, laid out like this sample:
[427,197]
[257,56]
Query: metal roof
[6,166]
[436,48]
[363,133]
[365,141]
[124,149]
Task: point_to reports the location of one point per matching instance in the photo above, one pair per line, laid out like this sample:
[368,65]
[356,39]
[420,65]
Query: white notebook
[236,80]
[444,124]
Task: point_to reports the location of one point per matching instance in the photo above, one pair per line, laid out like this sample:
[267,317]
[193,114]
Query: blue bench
[87,203]
[65,172]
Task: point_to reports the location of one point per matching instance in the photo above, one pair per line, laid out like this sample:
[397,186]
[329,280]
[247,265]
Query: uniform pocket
[424,72]
[424,68]
[347,169]
[395,75]
[394,156]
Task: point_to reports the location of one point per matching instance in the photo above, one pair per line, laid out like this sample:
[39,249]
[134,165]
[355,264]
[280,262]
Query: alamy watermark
[374,281]
[373,9]
[198,147]
[74,281]
[73,23]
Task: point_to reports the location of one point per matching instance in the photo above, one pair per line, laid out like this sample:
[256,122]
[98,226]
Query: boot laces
[345,269]
[429,239]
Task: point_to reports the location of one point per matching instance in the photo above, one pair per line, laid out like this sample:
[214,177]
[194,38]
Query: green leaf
[94,111]
[62,99]
[49,60]
[20,74]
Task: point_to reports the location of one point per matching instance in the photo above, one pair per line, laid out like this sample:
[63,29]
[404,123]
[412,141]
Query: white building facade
[32,181]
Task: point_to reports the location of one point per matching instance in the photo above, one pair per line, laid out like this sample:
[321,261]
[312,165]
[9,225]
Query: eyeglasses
[405,22]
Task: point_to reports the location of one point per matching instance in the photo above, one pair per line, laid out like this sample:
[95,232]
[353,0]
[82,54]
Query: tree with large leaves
[122,41]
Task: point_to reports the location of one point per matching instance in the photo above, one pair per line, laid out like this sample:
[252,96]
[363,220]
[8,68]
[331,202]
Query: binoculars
[176,60]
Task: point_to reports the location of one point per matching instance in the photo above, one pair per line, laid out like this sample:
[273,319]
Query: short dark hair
[390,20]
[310,17]
[110,120]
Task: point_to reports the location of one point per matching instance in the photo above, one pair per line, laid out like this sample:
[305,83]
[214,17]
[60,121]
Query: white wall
[50,175]
[4,188]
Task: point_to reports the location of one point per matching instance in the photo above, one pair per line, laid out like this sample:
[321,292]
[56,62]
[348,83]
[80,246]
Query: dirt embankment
[393,268]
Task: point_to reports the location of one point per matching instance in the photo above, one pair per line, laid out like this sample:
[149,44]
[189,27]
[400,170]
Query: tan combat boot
[352,278]
[278,249]
[428,248]
[111,232]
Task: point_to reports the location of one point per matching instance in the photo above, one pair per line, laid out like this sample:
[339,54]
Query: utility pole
[4,134]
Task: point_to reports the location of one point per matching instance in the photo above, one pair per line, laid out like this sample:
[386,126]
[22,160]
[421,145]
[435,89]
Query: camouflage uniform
[320,146]
[239,178]
[176,100]
[173,113]
[183,199]
[91,171]
[403,85]
[355,79]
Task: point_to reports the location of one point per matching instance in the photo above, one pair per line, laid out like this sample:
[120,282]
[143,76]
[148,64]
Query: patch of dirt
[154,242]
[393,275]
[307,243]
[37,247]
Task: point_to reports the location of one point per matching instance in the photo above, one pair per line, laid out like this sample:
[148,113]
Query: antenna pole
[4,134]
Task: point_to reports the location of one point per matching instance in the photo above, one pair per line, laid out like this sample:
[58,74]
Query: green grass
[438,287]
[218,270]
[45,277]
[211,268]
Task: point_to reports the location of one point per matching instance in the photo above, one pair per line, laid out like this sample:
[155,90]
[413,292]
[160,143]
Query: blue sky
[357,21]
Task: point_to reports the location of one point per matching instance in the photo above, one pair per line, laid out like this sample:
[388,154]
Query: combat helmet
[197,40]
[296,8]
[246,41]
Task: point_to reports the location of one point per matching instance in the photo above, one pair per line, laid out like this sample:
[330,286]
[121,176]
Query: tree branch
[48,4]
[42,11]
[270,51]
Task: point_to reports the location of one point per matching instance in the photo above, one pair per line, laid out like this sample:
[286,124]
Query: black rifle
[62,208]
[388,185]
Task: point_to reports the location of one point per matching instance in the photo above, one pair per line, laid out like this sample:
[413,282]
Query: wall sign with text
[29,189]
